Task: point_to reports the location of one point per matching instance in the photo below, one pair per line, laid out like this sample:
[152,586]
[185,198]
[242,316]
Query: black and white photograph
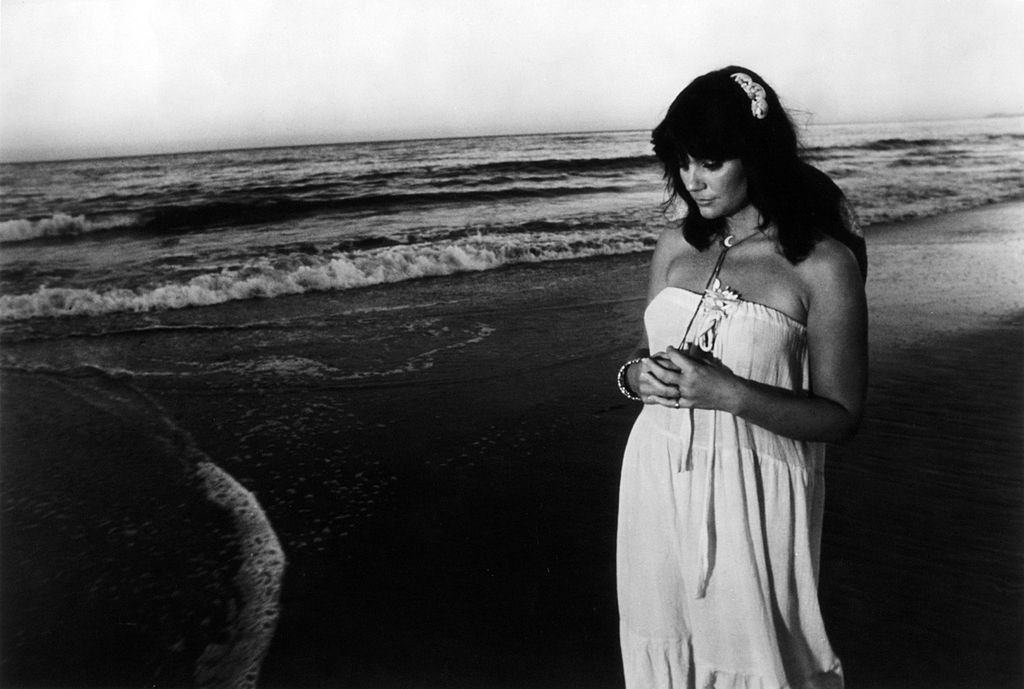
[484,344]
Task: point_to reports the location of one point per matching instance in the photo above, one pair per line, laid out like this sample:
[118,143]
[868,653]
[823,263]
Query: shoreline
[104,486]
[387,271]
[452,523]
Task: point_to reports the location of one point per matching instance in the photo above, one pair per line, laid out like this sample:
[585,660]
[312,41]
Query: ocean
[152,233]
[366,391]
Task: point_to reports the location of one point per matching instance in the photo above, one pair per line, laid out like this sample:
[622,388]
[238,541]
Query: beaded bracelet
[621,380]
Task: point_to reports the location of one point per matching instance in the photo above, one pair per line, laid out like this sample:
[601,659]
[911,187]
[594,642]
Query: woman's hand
[673,379]
[654,379]
[701,384]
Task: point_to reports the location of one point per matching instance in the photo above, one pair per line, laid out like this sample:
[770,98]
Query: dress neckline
[770,310]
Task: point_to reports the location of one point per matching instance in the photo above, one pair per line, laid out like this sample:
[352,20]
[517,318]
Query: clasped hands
[674,379]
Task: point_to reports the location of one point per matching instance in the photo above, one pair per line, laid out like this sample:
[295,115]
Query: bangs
[707,131]
[716,119]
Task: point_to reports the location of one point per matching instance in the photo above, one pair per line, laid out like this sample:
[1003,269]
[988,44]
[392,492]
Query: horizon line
[454,137]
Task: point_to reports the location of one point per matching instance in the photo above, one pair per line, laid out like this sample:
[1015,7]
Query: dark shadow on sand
[922,569]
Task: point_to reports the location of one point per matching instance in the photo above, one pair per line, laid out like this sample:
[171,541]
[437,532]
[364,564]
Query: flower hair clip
[755,92]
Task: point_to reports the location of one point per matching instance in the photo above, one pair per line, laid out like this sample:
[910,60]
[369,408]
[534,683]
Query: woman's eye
[684,165]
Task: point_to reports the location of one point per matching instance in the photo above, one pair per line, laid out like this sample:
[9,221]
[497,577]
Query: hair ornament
[755,92]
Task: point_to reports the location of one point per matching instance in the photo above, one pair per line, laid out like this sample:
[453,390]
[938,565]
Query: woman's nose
[692,180]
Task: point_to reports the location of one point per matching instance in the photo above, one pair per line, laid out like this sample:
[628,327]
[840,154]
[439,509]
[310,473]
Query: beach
[438,460]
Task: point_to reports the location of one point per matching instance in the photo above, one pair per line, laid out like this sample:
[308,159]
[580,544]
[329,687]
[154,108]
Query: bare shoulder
[670,248]
[830,266]
[671,241]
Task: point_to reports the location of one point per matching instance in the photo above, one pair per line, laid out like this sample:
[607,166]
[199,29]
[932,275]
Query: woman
[757,318]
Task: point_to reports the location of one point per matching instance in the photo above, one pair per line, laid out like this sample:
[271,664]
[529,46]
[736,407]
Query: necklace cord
[727,244]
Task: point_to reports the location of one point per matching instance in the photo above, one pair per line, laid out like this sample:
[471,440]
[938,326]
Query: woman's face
[719,187]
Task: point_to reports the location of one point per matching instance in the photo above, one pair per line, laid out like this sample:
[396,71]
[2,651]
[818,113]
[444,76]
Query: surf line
[236,661]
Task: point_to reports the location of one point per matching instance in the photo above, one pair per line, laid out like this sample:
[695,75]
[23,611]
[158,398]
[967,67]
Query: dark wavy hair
[711,119]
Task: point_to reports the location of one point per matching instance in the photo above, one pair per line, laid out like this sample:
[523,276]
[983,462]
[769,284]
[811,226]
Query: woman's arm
[670,243]
[837,352]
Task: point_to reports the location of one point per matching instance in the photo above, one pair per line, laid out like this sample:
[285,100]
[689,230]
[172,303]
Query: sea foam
[60,225]
[267,276]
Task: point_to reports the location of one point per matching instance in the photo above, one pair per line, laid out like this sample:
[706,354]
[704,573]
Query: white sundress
[720,520]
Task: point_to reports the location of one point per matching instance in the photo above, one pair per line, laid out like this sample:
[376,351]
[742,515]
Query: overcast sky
[103,77]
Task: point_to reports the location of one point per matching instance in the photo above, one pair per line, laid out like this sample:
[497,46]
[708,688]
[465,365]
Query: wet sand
[128,557]
[454,527]
[922,573]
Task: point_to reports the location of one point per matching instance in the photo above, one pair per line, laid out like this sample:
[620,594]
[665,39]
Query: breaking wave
[181,218]
[60,225]
[267,277]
